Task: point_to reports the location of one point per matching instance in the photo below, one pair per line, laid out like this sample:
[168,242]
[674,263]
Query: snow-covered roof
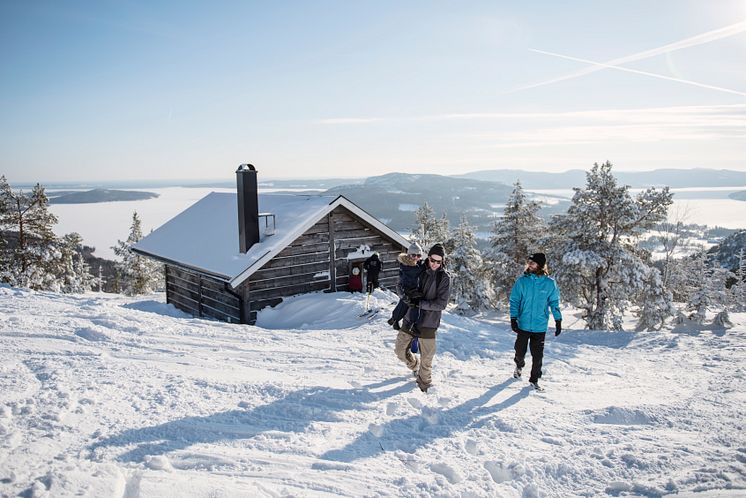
[204,237]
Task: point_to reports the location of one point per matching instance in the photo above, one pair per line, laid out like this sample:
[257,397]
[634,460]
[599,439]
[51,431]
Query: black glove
[514,324]
[557,327]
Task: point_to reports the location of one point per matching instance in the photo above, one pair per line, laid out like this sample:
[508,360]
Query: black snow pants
[536,341]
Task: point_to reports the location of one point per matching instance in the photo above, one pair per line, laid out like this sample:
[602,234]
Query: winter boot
[423,387]
[517,372]
[536,386]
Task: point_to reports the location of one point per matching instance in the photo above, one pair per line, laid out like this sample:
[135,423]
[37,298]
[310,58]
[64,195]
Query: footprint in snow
[498,472]
[376,430]
[430,415]
[447,471]
[471,447]
[158,462]
[391,408]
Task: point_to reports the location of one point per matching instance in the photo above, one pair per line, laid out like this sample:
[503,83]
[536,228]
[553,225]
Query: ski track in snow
[105,395]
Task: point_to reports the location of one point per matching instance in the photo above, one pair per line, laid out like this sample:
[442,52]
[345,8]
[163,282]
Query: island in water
[98,195]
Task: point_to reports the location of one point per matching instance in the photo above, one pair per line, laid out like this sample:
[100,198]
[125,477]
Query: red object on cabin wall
[355,284]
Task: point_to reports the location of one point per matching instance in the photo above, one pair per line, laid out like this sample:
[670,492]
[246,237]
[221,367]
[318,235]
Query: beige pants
[424,367]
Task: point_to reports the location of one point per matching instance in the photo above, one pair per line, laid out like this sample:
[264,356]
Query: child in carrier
[410,268]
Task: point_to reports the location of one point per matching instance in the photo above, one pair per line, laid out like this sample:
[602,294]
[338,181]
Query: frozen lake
[102,224]
[703,206]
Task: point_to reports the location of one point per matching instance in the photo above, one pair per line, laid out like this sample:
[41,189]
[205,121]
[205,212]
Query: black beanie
[539,258]
[438,250]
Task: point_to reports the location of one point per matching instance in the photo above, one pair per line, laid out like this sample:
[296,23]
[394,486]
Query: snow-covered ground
[102,395]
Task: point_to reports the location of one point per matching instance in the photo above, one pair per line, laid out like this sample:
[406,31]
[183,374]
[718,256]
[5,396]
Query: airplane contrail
[700,39]
[602,65]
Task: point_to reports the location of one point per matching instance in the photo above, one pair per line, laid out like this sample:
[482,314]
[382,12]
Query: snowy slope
[104,395]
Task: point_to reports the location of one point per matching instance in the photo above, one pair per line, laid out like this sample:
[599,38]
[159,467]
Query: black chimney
[248,207]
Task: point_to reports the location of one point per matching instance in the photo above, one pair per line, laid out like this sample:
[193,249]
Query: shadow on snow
[413,432]
[293,413]
[298,410]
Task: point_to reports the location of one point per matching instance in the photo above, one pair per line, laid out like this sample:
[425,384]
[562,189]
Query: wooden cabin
[230,255]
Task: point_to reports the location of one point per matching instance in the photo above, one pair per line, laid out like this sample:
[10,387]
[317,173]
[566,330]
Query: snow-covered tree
[698,286]
[597,264]
[656,302]
[707,286]
[32,261]
[671,236]
[722,320]
[75,274]
[514,237]
[428,229]
[470,287]
[738,289]
[136,274]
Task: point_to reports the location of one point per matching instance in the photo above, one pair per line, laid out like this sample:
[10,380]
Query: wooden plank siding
[351,232]
[315,261]
[201,295]
[301,267]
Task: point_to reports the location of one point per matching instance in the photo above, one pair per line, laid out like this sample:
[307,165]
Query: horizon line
[189,181]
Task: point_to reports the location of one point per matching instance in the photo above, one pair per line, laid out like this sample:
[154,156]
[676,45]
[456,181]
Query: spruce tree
[470,288]
[33,261]
[698,287]
[514,237]
[428,229]
[656,302]
[136,274]
[707,288]
[75,273]
[598,266]
[739,287]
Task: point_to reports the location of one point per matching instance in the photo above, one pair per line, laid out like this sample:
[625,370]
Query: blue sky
[188,90]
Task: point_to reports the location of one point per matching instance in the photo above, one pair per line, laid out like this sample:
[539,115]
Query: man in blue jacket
[532,296]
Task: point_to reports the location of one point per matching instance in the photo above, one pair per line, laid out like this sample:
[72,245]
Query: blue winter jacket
[530,300]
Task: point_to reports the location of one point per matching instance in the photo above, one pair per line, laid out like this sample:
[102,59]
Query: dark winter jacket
[410,270]
[373,266]
[436,290]
[531,299]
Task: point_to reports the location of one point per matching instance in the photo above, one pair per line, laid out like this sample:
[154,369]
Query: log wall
[350,232]
[301,267]
[201,295]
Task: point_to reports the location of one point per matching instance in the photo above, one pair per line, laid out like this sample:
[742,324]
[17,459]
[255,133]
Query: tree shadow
[292,413]
[409,434]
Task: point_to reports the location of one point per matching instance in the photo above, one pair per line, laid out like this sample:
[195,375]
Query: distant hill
[312,184]
[98,195]
[676,178]
[395,197]
[738,196]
